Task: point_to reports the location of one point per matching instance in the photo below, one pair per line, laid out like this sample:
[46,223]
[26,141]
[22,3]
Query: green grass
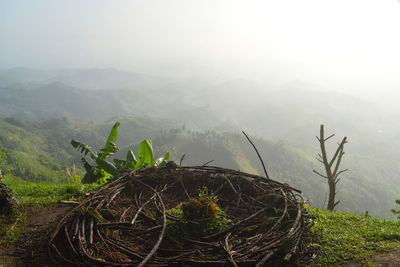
[30,193]
[44,193]
[11,226]
[343,237]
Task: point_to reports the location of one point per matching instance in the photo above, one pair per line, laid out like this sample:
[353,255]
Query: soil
[385,259]
[31,247]
[389,259]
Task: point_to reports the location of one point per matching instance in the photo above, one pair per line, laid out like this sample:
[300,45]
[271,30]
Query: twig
[69,202]
[183,186]
[16,221]
[208,162]
[160,238]
[123,213]
[228,249]
[182,158]
[258,154]
[234,226]
[266,258]
[141,208]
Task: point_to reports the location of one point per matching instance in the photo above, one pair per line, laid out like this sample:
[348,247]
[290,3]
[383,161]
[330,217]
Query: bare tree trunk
[332,175]
[7,200]
[332,195]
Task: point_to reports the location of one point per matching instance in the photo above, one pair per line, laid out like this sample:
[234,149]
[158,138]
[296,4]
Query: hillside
[57,100]
[41,151]
[27,155]
[203,120]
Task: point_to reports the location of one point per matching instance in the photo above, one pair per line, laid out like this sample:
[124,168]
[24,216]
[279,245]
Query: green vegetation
[204,208]
[41,152]
[104,169]
[396,212]
[31,193]
[25,154]
[342,236]
[198,216]
[11,226]
[44,193]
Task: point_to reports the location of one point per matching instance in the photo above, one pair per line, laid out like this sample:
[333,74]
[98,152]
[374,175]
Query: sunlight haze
[349,46]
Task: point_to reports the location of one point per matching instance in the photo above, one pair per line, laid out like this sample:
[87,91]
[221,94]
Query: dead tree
[331,166]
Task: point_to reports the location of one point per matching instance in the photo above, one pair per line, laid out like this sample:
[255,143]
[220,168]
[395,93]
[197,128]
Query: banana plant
[145,158]
[104,169]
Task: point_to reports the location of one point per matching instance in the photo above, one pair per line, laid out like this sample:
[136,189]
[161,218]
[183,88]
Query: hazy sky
[341,44]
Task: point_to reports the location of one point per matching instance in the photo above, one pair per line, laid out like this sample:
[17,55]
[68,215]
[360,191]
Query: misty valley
[42,111]
[197,124]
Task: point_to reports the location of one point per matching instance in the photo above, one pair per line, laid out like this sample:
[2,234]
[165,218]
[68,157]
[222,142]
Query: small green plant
[203,207]
[73,176]
[397,211]
[200,216]
[102,169]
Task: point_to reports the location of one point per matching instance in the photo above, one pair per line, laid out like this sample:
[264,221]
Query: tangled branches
[131,222]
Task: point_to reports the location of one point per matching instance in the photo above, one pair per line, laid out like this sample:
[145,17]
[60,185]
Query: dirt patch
[31,247]
[389,258]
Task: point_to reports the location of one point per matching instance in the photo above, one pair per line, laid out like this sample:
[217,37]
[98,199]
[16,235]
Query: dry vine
[127,222]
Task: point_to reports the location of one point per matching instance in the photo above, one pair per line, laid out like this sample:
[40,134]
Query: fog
[348,46]
[211,68]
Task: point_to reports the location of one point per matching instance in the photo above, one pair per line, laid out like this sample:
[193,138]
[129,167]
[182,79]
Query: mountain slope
[289,118]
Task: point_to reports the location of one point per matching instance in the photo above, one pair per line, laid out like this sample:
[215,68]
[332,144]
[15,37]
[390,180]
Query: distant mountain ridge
[88,79]
[103,93]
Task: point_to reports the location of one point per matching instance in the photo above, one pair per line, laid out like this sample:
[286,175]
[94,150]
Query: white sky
[346,45]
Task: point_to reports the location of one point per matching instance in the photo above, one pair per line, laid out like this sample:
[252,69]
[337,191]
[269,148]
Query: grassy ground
[11,226]
[46,193]
[30,193]
[343,237]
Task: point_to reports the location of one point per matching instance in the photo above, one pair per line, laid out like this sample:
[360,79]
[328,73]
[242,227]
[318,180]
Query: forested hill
[94,94]
[43,110]
[41,151]
[57,100]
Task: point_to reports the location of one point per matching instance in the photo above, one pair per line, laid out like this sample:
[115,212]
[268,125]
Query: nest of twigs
[128,222]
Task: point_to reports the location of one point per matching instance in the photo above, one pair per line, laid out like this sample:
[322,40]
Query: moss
[199,217]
